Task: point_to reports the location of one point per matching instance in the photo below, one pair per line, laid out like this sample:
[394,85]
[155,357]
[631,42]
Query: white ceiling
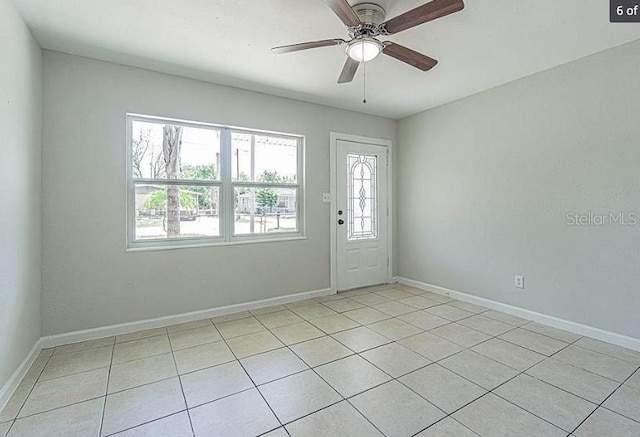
[489,43]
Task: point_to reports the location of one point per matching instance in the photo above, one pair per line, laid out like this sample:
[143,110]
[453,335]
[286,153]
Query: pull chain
[364,82]
[364,85]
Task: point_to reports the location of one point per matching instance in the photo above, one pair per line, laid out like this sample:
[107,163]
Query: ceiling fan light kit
[364,49]
[365,22]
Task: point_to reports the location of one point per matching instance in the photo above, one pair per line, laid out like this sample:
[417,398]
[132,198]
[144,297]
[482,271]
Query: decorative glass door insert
[362,211]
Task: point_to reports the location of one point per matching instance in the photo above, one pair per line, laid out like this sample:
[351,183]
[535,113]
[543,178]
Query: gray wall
[20,148]
[89,280]
[487,181]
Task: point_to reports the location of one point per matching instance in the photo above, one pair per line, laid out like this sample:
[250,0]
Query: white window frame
[225,185]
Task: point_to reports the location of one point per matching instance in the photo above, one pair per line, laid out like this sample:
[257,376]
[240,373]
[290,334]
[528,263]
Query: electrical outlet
[326,197]
[519,281]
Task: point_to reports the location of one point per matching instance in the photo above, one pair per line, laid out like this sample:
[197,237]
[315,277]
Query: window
[195,183]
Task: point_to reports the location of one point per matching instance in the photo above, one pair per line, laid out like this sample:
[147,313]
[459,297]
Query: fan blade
[427,12]
[344,11]
[409,56]
[308,45]
[348,71]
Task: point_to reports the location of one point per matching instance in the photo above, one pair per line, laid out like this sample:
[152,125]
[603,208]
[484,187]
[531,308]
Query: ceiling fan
[365,23]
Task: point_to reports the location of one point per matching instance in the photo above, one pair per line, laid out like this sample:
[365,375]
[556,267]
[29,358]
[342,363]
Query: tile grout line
[394,341]
[566,391]
[106,390]
[347,399]
[623,384]
[15,419]
[519,374]
[487,392]
[513,328]
[139,425]
[523,326]
[134,387]
[544,382]
[63,406]
[313,369]
[59,408]
[122,342]
[212,401]
[344,399]
[579,368]
[175,365]
[249,376]
[391,342]
[392,378]
[584,370]
[111,362]
[601,404]
[472,382]
[178,376]
[72,374]
[326,382]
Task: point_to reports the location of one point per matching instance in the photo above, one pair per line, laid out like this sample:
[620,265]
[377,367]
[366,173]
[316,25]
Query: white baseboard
[11,385]
[555,322]
[126,328]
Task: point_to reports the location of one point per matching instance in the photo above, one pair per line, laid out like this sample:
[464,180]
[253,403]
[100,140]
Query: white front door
[362,215]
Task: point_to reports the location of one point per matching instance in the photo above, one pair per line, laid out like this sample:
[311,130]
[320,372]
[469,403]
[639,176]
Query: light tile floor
[384,361]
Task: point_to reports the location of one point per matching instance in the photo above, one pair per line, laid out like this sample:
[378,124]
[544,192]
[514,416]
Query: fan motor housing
[370,13]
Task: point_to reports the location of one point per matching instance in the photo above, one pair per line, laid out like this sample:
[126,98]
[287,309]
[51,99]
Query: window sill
[146,247]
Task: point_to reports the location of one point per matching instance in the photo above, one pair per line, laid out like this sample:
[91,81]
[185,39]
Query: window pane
[361,207]
[153,146]
[276,159]
[176,211]
[265,210]
[260,158]
[241,157]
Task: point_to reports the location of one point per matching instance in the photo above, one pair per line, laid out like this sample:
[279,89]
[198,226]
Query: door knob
[341,222]
[340,212]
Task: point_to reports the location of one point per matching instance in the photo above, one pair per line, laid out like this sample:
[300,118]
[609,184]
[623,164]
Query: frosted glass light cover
[364,50]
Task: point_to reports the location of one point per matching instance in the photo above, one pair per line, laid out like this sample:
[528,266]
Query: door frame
[333,189]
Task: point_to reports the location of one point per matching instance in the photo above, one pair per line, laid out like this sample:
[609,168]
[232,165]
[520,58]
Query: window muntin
[226,185]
